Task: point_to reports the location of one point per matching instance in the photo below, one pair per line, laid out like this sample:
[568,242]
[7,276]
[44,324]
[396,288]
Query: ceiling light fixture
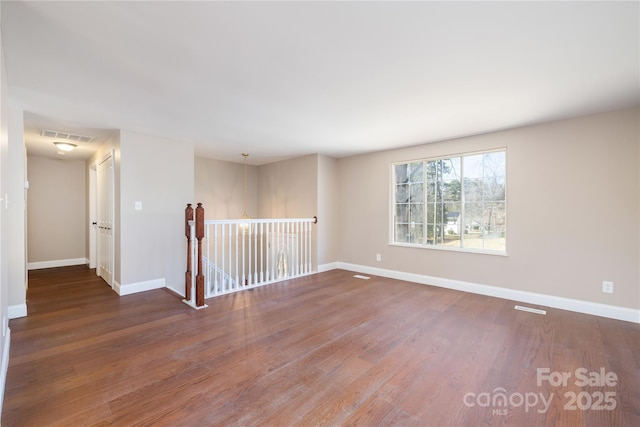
[64,146]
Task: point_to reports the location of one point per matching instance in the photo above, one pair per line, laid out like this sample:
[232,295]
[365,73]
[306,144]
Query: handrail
[258,221]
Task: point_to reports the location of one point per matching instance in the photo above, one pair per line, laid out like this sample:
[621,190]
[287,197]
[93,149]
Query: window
[451,202]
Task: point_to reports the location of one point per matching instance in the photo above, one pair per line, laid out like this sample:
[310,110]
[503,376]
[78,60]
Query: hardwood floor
[327,349]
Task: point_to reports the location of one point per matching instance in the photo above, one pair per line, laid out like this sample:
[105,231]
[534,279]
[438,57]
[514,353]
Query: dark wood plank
[327,349]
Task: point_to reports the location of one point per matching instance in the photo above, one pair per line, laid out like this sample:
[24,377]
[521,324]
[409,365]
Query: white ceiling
[282,79]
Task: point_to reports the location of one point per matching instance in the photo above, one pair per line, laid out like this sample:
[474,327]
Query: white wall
[159,173]
[573,203]
[17,215]
[57,214]
[4,237]
[219,186]
[289,188]
[328,211]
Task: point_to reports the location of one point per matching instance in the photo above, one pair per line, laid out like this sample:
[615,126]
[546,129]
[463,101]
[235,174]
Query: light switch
[138,206]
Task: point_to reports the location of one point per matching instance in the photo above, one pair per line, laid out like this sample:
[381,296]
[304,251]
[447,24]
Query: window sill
[450,249]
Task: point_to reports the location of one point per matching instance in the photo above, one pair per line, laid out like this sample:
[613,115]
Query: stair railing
[243,254]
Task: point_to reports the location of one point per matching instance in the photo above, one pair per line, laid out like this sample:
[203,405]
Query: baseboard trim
[56,263]
[327,267]
[5,365]
[579,306]
[175,291]
[17,311]
[134,288]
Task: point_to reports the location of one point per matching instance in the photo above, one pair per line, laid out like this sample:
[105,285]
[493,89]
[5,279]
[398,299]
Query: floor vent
[530,310]
[358,276]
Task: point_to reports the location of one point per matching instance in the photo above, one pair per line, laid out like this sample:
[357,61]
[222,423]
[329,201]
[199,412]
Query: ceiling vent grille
[65,135]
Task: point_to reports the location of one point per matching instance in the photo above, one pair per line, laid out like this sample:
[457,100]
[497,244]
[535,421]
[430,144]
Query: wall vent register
[66,135]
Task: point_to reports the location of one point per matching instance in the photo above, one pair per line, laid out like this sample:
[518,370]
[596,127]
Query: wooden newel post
[188,216]
[200,236]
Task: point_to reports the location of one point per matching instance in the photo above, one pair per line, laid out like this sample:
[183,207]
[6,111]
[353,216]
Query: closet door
[105,220]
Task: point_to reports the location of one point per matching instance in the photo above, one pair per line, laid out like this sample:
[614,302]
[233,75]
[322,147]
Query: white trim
[133,288]
[579,306]
[5,365]
[192,305]
[327,267]
[259,221]
[451,248]
[178,293]
[56,263]
[530,310]
[16,311]
[93,215]
[461,156]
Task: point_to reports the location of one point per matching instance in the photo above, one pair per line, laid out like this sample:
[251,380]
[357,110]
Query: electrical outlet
[378,257]
[607,287]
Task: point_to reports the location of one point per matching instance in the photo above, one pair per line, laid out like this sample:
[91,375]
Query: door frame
[93,215]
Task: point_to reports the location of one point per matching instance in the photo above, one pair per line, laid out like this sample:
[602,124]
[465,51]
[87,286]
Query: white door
[105,220]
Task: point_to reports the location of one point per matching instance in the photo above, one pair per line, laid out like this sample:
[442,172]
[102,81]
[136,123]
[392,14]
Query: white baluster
[224,251]
[308,270]
[300,243]
[207,268]
[194,265]
[216,283]
[269,249]
[244,239]
[303,243]
[236,257]
[250,238]
[254,239]
[262,252]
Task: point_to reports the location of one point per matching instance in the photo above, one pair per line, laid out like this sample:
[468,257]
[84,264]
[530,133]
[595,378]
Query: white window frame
[424,245]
